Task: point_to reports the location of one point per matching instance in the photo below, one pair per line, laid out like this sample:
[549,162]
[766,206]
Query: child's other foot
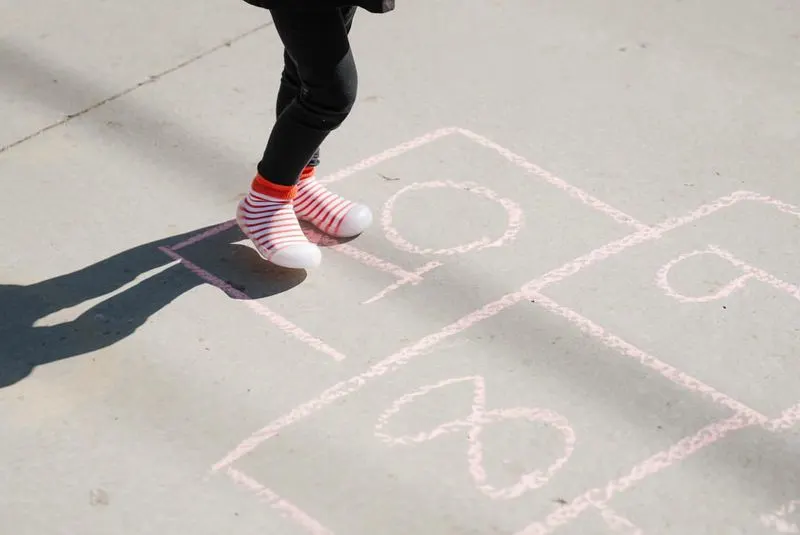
[267,218]
[327,211]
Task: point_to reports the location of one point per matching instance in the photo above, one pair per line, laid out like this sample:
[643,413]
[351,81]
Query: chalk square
[438,199]
[649,297]
[461,211]
[752,468]
[536,373]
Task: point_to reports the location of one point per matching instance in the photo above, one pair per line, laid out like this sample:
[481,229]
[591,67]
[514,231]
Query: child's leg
[317,43]
[290,80]
[318,50]
[288,91]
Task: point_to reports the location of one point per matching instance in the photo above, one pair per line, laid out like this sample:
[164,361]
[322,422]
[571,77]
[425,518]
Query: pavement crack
[147,81]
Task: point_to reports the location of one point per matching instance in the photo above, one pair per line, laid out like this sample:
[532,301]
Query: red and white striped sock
[266,216]
[327,211]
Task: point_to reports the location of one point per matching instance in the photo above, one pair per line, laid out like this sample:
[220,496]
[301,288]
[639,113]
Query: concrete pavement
[576,312]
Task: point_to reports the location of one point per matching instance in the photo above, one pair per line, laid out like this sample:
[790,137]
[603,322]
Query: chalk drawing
[413,278]
[213,231]
[750,272]
[777,519]
[662,281]
[286,508]
[616,522]
[786,420]
[474,425]
[388,154]
[758,274]
[512,229]
[597,498]
[403,276]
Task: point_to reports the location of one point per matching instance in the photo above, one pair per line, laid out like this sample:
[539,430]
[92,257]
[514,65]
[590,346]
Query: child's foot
[327,211]
[267,218]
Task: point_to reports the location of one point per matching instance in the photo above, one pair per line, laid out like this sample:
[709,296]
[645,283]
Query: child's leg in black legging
[317,43]
[290,80]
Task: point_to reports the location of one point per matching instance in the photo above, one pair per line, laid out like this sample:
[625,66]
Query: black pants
[317,91]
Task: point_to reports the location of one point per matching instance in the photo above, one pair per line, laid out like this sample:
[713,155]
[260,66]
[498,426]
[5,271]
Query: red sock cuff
[308,172]
[265,187]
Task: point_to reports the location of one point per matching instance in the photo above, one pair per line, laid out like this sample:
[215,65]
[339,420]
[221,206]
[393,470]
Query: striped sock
[327,211]
[266,216]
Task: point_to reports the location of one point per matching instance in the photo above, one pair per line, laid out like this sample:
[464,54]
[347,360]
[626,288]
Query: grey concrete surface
[576,312]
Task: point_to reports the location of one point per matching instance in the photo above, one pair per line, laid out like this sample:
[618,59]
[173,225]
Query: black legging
[317,91]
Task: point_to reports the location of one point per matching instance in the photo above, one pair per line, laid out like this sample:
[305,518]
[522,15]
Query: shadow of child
[25,345]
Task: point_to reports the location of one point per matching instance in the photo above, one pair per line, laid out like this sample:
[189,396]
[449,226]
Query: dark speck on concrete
[98,497]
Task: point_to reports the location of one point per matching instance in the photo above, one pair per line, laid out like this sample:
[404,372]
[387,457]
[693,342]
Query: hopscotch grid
[743,416]
[394,362]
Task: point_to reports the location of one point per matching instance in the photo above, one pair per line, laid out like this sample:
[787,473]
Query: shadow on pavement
[25,345]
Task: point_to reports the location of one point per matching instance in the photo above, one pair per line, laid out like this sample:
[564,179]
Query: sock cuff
[270,189]
[308,172]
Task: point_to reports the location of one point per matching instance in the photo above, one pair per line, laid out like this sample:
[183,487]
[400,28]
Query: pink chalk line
[388,154]
[402,357]
[624,348]
[750,272]
[559,183]
[279,321]
[758,274]
[412,278]
[513,227]
[600,496]
[662,281]
[780,205]
[368,259]
[473,426]
[286,508]
[618,523]
[777,520]
[222,227]
[786,420]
